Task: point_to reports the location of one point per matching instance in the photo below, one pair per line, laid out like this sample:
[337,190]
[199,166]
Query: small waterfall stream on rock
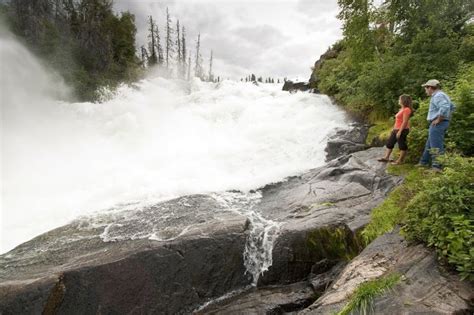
[261,236]
[262,232]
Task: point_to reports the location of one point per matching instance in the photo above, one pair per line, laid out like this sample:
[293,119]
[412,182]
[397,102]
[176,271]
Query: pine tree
[178,45]
[169,41]
[183,49]
[356,17]
[158,47]
[144,55]
[211,76]
[152,60]
[189,67]
[198,72]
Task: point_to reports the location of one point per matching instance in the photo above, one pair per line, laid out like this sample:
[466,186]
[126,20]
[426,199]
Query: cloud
[261,35]
[315,8]
[269,38]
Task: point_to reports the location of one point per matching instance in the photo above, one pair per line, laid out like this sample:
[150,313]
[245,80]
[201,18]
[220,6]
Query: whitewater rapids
[151,142]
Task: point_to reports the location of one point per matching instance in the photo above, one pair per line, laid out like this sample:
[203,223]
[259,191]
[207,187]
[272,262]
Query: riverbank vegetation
[91,46]
[392,49]
[84,41]
[433,208]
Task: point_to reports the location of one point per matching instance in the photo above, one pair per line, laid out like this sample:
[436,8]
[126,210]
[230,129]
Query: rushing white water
[158,140]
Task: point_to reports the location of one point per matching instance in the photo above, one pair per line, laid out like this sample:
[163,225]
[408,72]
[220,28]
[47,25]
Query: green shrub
[441,214]
[460,134]
[391,212]
[461,129]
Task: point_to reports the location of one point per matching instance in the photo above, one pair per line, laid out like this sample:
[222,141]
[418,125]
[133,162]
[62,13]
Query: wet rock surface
[346,141]
[175,256]
[266,300]
[278,299]
[72,270]
[322,211]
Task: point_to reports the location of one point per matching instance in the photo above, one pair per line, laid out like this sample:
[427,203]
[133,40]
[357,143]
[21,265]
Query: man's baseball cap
[432,82]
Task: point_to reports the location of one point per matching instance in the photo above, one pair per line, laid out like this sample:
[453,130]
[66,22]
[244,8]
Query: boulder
[346,141]
[291,86]
[425,288]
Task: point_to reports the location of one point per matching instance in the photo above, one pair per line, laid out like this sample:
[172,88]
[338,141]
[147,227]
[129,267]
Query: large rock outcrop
[291,86]
[425,288]
[331,53]
[71,270]
[346,141]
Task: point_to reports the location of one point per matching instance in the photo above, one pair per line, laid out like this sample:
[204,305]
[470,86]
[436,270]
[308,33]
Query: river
[155,140]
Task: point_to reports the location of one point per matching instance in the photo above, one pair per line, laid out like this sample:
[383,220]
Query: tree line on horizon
[253,78]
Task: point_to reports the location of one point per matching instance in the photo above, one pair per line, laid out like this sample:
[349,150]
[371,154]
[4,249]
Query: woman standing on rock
[400,130]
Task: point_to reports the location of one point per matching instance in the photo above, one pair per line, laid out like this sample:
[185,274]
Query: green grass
[363,297]
[391,212]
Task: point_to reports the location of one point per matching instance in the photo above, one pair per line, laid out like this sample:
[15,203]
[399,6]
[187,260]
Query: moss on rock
[334,242]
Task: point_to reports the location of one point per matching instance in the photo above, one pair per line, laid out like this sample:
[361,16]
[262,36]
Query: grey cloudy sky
[265,37]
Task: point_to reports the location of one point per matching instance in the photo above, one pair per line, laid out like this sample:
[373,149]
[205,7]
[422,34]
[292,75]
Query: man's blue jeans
[434,144]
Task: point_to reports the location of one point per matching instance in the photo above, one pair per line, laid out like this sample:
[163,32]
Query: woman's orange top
[399,118]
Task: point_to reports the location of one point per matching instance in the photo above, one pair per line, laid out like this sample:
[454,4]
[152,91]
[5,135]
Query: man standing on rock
[439,115]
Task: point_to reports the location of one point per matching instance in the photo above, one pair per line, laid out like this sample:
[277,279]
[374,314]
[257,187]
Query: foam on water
[157,140]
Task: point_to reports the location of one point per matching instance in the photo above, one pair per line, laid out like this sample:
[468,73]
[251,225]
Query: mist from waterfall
[149,142]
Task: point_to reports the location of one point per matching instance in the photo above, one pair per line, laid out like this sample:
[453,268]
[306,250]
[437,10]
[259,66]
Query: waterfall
[262,232]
